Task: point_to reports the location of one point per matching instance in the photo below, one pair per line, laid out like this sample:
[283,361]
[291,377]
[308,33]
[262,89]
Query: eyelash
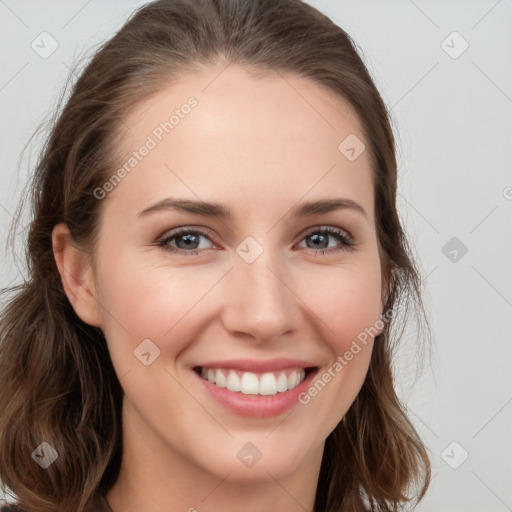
[347,242]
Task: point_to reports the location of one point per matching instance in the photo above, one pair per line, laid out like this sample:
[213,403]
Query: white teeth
[282,383]
[233,381]
[250,383]
[220,380]
[268,384]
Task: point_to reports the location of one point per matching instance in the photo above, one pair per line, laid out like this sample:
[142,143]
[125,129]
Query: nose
[260,300]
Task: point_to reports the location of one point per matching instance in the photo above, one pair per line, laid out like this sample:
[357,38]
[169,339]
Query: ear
[76,275]
[384,292]
[384,298]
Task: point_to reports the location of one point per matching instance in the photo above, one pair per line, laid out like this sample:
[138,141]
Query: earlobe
[76,275]
[384,301]
[384,292]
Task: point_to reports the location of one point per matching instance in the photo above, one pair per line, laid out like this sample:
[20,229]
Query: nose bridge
[261,302]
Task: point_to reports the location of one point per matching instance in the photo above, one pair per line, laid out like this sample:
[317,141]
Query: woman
[215,259]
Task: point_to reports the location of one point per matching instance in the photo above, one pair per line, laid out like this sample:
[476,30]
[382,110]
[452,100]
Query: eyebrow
[211,209]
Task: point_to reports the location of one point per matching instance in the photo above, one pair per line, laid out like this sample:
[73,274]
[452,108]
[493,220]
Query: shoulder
[99,504]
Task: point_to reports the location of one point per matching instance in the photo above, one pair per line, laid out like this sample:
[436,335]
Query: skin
[260,147]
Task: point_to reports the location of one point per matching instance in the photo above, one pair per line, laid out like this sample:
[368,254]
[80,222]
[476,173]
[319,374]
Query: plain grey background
[444,68]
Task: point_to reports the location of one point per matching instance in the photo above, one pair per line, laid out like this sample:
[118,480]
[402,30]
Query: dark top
[100,504]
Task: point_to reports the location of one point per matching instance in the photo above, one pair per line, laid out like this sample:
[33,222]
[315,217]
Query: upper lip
[258,366]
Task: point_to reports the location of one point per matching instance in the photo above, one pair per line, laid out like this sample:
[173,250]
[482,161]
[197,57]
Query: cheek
[140,303]
[168,305]
[346,300]
[347,303]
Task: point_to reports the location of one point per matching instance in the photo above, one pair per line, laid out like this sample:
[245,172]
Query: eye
[319,237]
[186,241]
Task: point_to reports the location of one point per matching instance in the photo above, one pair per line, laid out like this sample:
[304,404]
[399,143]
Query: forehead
[224,130]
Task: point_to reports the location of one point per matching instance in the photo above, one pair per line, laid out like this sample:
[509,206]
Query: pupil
[317,238]
[189,239]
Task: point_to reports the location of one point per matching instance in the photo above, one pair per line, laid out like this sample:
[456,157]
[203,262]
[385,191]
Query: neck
[154,477]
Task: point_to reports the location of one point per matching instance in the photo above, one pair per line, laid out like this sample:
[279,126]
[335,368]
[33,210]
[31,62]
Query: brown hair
[57,382]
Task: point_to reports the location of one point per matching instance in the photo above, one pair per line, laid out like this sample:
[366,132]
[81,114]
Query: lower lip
[256,406]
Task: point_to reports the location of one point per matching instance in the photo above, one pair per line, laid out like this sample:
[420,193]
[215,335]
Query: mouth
[255,388]
[255,383]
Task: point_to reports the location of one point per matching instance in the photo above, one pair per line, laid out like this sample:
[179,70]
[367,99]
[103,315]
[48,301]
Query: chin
[273,462]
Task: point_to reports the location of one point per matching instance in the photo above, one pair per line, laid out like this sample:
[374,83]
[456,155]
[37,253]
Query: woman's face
[254,299]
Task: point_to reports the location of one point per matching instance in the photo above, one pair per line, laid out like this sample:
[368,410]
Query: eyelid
[208,232]
[174,232]
[320,227]
[346,243]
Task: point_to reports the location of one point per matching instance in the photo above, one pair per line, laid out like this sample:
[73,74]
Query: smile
[250,383]
[255,388]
